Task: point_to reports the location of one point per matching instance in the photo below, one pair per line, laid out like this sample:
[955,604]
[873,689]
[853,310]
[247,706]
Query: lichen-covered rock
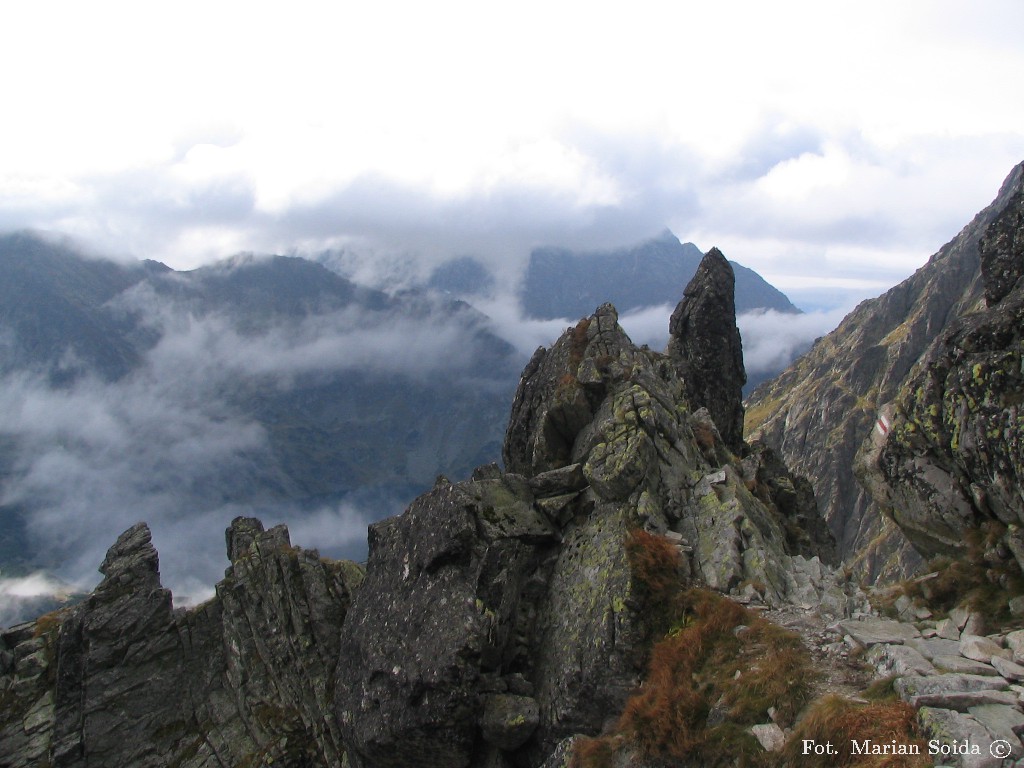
[820,411]
[27,669]
[1002,246]
[954,457]
[705,346]
[509,720]
[438,622]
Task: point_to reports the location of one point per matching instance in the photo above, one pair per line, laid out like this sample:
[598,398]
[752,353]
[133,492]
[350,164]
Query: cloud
[30,595]
[772,340]
[648,325]
[172,443]
[882,130]
[852,207]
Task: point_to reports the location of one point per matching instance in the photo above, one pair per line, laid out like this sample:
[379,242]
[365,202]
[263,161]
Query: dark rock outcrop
[124,679]
[820,410]
[1002,246]
[706,349]
[954,457]
[501,615]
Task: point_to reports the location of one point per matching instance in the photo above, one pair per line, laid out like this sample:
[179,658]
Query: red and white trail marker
[882,425]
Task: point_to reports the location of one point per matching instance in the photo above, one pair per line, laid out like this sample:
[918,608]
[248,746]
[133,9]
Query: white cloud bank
[802,139]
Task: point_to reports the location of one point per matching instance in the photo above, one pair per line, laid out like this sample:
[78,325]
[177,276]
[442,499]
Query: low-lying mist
[173,443]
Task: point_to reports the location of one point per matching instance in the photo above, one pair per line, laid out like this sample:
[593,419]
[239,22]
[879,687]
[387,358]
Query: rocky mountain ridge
[505,620]
[498,617]
[952,461]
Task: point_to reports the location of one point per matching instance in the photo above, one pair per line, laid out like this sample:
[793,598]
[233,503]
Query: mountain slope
[818,412]
[51,309]
[952,463]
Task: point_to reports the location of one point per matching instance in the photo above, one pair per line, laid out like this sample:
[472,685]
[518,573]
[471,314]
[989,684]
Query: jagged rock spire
[706,349]
[132,562]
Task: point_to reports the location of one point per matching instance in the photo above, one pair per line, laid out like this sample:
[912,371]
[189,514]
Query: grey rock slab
[1008,669]
[962,701]
[964,666]
[899,660]
[930,647]
[948,629]
[870,632]
[948,728]
[1003,721]
[1015,642]
[959,617]
[981,648]
[916,686]
[556,482]
[770,736]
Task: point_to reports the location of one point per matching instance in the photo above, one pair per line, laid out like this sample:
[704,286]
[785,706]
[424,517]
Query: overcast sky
[823,144]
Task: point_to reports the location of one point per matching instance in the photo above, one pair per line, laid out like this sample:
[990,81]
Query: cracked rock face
[500,615]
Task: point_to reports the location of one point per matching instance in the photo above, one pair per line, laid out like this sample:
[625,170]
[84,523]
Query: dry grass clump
[839,721]
[578,342]
[49,622]
[654,566]
[719,660]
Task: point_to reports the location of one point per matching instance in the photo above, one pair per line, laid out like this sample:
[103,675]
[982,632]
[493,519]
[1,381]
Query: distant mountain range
[133,390]
[564,283]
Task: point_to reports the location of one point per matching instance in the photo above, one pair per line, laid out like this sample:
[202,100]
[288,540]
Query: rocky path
[967,686]
[836,670]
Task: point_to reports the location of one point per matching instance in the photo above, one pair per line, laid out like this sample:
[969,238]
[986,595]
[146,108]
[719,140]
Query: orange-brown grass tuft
[49,622]
[720,655]
[839,721]
[654,565]
[594,753]
[578,342]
